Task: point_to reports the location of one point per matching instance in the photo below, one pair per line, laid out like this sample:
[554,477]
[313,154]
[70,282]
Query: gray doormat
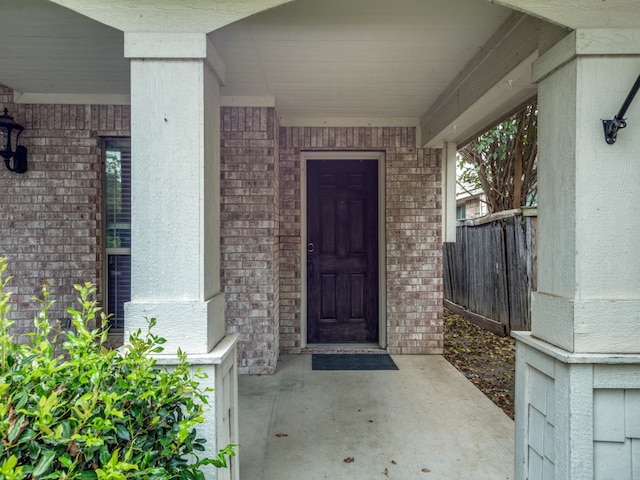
[352,361]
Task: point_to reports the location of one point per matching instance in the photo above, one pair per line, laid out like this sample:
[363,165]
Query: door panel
[342,251]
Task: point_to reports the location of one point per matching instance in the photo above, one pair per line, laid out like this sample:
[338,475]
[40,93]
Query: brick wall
[51,220]
[414,252]
[250,230]
[413,232]
[50,217]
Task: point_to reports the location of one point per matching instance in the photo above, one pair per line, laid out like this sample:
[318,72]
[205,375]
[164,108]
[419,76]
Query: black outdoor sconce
[10,132]
[611,127]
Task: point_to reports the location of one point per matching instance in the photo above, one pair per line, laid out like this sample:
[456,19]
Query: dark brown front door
[342,251]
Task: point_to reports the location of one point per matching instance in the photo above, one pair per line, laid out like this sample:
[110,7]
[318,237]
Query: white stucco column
[175,123]
[578,371]
[175,182]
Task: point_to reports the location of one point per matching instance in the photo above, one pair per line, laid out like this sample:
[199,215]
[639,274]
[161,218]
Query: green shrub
[72,409]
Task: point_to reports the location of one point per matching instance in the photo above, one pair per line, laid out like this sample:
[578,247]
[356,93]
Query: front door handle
[310,249]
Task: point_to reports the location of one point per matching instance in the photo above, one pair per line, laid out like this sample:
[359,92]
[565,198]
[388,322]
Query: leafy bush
[71,409]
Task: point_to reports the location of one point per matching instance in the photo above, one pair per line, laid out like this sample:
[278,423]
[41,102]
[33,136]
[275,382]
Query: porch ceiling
[356,58]
[349,61]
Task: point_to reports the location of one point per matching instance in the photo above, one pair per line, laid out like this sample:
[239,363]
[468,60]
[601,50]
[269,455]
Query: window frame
[109,252]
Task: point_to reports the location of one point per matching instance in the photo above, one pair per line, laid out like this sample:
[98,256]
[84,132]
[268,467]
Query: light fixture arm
[611,127]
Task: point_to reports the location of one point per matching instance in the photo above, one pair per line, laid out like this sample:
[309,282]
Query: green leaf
[122,432]
[21,400]
[45,462]
[87,475]
[9,464]
[27,435]
[16,429]
[103,452]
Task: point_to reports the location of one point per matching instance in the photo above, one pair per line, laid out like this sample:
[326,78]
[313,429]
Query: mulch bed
[487,359]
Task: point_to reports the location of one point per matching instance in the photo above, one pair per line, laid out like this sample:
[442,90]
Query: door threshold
[372,348]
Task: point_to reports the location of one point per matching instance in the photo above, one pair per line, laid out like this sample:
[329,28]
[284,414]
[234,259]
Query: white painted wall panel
[608,415]
[536,430]
[551,400]
[548,469]
[549,442]
[632,414]
[536,467]
[538,391]
[612,461]
[635,459]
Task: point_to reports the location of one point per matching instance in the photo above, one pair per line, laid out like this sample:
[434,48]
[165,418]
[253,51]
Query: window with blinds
[117,198]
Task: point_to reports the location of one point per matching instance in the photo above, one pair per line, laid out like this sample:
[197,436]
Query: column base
[577,415]
[193,326]
[221,419]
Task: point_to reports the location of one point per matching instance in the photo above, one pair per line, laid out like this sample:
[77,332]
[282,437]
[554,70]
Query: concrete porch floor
[423,421]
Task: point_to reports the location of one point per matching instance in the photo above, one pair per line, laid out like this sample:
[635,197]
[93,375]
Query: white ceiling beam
[506,97]
[318,121]
[581,13]
[491,86]
[72,98]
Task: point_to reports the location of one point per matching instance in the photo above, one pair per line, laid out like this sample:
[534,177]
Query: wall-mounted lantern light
[10,132]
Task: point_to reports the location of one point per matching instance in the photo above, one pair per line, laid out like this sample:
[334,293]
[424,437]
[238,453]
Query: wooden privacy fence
[490,271]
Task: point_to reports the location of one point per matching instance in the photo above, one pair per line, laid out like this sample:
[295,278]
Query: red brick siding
[51,216]
[413,232]
[250,230]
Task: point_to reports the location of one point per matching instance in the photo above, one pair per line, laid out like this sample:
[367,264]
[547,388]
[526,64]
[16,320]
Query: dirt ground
[487,359]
